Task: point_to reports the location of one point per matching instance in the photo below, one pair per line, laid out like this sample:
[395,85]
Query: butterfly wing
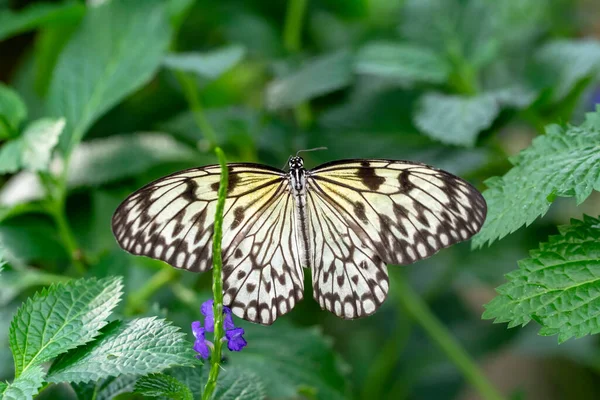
[172,220]
[394,212]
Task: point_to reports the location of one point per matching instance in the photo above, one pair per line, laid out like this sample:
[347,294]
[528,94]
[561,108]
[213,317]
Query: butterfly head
[296,163]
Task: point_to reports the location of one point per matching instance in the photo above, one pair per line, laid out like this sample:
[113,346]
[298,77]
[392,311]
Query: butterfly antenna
[307,150]
[286,163]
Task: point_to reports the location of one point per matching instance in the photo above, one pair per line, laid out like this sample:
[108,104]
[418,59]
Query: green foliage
[61,318]
[105,389]
[137,347]
[33,149]
[562,163]
[12,112]
[317,77]
[161,385]
[129,41]
[38,14]
[403,62]
[206,65]
[146,88]
[566,62]
[106,160]
[455,119]
[25,386]
[287,359]
[557,286]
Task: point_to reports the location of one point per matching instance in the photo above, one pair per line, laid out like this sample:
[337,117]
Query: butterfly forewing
[406,211]
[171,219]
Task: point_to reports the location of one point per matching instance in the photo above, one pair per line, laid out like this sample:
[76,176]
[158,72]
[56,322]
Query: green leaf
[455,119]
[161,385]
[33,150]
[563,163]
[404,62]
[209,65]
[315,78]
[287,359]
[139,347]
[38,14]
[566,62]
[60,318]
[12,112]
[557,286]
[25,386]
[117,48]
[238,384]
[105,160]
[105,389]
[235,382]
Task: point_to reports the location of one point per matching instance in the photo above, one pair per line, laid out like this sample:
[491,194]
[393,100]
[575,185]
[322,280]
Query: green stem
[217,287]
[193,98]
[67,236]
[292,29]
[138,298]
[421,313]
[292,35]
[384,363]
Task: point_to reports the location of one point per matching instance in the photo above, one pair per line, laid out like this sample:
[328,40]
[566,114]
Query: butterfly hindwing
[262,275]
[349,278]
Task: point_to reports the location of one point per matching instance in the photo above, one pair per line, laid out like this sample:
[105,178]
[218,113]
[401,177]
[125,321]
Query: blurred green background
[458,84]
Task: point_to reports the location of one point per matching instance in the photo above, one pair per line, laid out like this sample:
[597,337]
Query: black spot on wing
[369,178]
[234,180]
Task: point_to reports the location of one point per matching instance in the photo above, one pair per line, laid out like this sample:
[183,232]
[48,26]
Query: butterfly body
[345,220]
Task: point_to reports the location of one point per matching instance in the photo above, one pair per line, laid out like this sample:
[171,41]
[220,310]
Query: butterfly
[345,220]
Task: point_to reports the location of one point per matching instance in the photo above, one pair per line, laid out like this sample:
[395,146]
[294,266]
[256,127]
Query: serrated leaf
[287,359]
[60,318]
[208,65]
[563,163]
[37,14]
[105,389]
[454,119]
[557,286]
[238,384]
[105,160]
[565,62]
[116,49]
[12,111]
[403,62]
[161,385]
[315,78]
[139,347]
[25,386]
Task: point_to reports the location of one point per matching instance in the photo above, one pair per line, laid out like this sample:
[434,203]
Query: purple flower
[209,318]
[233,336]
[201,344]
[235,341]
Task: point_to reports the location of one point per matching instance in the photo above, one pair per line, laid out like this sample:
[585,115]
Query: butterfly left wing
[172,218]
[387,212]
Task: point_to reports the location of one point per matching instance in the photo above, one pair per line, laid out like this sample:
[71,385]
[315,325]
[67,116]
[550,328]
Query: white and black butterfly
[345,220]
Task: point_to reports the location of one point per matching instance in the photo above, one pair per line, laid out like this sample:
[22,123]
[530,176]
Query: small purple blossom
[235,340]
[201,344]
[233,336]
